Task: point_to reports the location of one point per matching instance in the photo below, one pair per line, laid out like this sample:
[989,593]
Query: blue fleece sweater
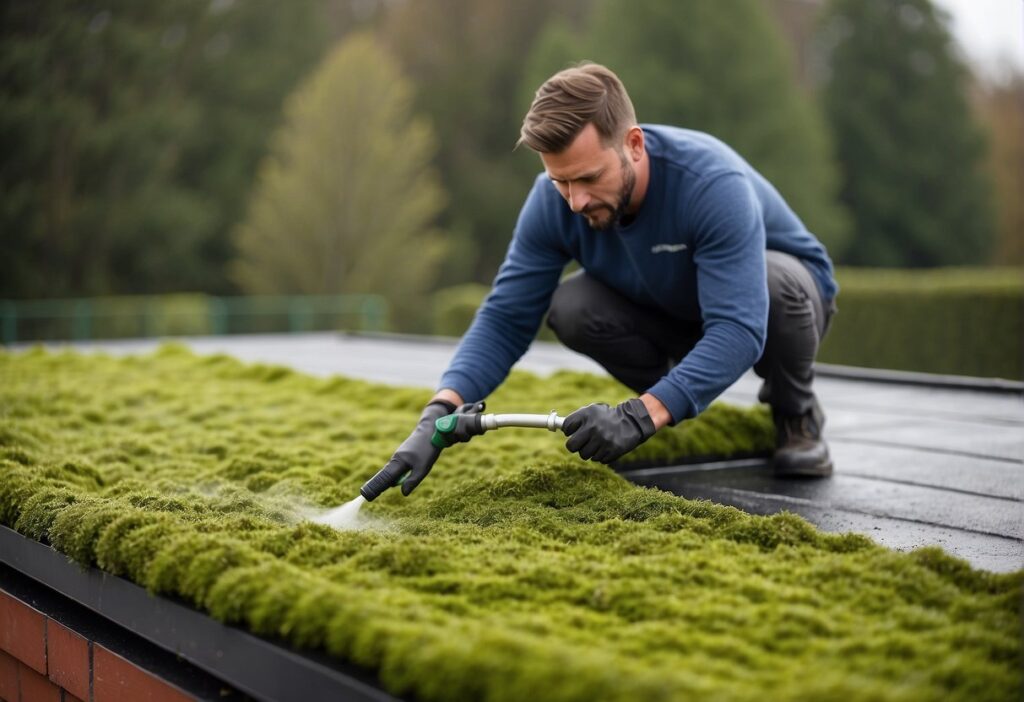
[696,250]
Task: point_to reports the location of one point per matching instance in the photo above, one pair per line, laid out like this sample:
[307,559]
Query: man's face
[596,180]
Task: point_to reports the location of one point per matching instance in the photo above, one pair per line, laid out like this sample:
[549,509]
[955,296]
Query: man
[694,270]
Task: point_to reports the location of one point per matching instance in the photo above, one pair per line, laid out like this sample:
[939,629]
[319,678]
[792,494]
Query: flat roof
[915,464]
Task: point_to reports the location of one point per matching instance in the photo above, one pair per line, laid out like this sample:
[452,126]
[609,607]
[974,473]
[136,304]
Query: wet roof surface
[914,465]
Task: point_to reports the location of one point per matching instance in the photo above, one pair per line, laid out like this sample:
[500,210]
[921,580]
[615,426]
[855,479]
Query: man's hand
[604,433]
[417,454]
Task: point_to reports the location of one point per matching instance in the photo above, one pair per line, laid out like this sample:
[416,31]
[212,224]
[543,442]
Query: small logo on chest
[668,248]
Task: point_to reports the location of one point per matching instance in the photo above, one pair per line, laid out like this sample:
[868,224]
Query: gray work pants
[637,345]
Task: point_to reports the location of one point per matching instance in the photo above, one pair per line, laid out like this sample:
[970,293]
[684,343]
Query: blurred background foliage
[130,132]
[233,146]
[347,197]
[723,68]
[912,156]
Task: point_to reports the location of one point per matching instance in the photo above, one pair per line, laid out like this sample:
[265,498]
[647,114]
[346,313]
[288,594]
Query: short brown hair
[571,99]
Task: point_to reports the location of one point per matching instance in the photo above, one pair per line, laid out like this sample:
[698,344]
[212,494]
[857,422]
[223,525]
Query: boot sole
[822,470]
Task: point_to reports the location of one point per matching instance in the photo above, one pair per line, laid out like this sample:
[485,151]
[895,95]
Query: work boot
[800,452]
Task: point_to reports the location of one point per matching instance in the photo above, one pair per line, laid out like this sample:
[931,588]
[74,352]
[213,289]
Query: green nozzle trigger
[405,476]
[442,427]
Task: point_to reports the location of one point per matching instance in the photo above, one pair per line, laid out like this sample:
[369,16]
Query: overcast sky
[990,31]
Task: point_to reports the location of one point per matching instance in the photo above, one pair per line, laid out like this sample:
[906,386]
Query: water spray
[344,517]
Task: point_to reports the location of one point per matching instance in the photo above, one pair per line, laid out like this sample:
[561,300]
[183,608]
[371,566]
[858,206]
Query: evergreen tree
[721,67]
[912,157]
[345,200]
[130,133]
[558,46]
[1002,109]
[466,59]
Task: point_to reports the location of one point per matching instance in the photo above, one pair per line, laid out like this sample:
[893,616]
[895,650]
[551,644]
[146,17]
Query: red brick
[8,678]
[67,657]
[35,687]
[115,679]
[23,632]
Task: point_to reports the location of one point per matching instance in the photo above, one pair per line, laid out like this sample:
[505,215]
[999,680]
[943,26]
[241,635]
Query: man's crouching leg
[635,344]
[797,321]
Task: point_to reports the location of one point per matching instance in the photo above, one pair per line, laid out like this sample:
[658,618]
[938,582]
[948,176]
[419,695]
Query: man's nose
[579,198]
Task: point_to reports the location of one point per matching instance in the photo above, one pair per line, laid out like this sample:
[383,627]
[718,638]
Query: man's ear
[633,143]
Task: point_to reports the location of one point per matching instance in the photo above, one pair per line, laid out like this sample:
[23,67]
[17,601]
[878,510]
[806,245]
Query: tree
[466,59]
[130,133]
[721,67]
[911,155]
[559,45]
[1001,105]
[345,200]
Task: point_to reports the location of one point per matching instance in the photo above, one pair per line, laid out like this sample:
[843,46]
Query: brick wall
[42,660]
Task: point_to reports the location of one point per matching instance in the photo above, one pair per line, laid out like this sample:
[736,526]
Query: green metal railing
[83,319]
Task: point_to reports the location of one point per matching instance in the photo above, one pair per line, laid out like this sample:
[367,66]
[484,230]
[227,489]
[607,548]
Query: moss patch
[515,571]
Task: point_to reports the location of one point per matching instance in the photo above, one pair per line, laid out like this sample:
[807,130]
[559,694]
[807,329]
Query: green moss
[515,571]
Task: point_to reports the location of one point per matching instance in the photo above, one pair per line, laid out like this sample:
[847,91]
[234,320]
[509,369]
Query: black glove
[416,455]
[605,433]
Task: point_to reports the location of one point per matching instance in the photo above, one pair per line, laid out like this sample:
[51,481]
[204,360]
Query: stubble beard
[625,196]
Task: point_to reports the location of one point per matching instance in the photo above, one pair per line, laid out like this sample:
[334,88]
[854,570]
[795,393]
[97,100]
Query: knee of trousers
[568,313]
[789,307]
[574,315]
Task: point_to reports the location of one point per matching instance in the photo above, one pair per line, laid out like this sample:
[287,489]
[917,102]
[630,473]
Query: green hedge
[454,308]
[158,315]
[960,321]
[186,314]
[110,317]
[964,321]
[516,571]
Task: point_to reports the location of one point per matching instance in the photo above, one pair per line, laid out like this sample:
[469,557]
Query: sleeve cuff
[678,402]
[462,384]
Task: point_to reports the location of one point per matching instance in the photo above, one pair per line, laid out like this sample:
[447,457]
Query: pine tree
[721,67]
[1002,108]
[912,158]
[130,132]
[465,58]
[345,201]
